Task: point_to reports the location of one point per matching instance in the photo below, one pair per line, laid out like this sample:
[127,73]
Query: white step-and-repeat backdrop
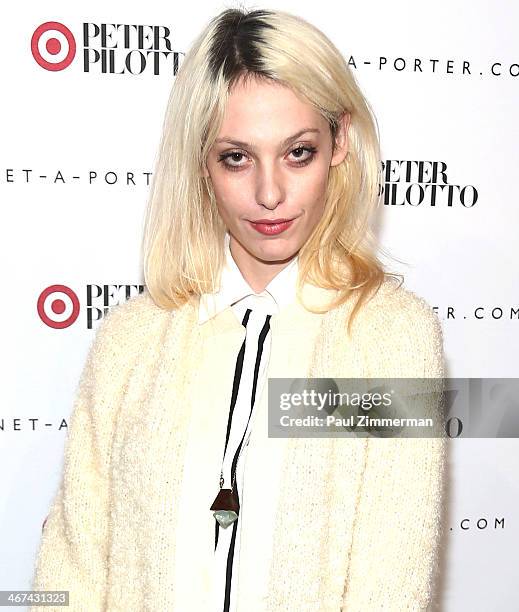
[81,115]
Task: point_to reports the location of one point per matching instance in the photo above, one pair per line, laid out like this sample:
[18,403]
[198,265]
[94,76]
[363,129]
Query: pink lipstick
[271,227]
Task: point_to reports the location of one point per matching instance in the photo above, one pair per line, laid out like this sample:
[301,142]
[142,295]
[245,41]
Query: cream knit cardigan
[358,521]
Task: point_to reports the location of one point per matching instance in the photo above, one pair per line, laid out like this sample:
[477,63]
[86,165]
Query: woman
[259,263]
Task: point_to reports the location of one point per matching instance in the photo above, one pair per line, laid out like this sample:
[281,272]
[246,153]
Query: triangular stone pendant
[226,506]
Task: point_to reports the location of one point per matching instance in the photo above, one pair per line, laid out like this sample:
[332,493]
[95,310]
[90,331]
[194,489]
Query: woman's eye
[233,156]
[304,159]
[226,158]
[232,160]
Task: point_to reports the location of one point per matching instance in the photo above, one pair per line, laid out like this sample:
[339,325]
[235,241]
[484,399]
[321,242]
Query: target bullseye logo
[58,306]
[53,46]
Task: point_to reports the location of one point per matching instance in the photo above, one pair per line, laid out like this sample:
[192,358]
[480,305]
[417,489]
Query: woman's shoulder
[399,322]
[126,326]
[138,308]
[393,304]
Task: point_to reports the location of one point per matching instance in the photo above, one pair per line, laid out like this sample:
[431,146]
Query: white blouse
[254,311]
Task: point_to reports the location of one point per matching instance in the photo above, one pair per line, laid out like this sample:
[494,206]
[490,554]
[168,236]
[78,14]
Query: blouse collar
[280,292]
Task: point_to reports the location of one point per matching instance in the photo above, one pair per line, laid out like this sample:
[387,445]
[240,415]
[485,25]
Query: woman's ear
[341,139]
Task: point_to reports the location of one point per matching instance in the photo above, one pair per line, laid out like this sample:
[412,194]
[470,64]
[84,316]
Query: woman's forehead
[260,111]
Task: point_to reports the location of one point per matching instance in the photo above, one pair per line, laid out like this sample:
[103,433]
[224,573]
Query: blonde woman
[259,263]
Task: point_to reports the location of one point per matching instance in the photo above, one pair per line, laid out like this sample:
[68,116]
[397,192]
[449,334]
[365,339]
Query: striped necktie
[253,341]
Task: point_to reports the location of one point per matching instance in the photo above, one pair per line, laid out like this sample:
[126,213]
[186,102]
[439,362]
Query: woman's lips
[271,228]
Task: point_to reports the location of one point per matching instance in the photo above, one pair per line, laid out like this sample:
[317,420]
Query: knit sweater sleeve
[74,544]
[396,536]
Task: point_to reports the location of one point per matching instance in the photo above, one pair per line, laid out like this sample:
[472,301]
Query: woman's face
[270,162]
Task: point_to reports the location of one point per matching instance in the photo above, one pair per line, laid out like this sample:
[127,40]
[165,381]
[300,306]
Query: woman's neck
[256,272]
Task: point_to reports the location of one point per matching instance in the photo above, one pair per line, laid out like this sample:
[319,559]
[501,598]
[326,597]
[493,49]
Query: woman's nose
[269,186]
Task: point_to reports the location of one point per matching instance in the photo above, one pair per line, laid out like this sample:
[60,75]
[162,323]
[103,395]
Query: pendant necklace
[226,505]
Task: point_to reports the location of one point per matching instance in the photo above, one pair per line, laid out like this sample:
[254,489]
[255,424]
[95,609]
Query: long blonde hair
[183,236]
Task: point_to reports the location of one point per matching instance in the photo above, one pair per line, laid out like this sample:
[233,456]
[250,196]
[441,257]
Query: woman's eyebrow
[246,145]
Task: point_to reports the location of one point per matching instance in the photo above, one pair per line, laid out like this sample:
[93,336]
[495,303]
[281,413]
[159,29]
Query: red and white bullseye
[53,46]
[58,306]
